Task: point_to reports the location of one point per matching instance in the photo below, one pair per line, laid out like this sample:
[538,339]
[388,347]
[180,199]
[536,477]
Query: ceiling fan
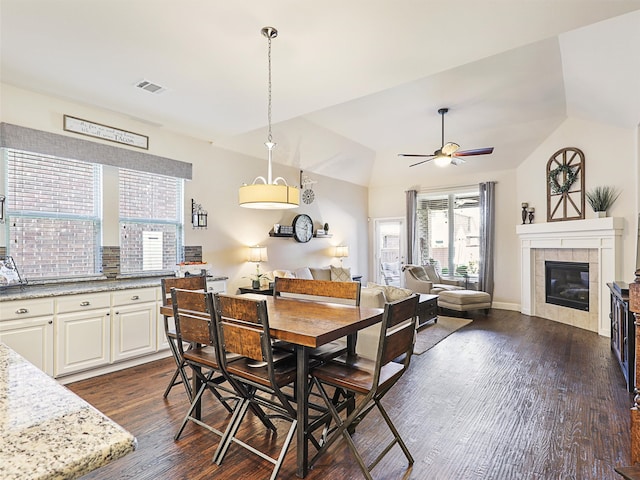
[448,152]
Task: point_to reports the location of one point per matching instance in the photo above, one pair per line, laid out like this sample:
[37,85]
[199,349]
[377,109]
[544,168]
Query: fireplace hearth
[567,284]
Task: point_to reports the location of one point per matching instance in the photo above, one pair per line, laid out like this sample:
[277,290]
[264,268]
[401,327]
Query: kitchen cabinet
[83,332]
[134,323]
[26,326]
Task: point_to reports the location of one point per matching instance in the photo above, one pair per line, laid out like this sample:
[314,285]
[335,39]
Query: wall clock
[302,228]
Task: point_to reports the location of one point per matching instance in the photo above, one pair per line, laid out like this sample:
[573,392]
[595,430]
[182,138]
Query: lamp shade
[258,254]
[342,251]
[268,196]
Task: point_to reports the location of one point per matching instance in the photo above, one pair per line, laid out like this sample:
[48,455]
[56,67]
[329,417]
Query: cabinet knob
[135,297]
[21,311]
[50,322]
[85,304]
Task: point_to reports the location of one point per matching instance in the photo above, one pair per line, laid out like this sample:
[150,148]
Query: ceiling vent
[150,87]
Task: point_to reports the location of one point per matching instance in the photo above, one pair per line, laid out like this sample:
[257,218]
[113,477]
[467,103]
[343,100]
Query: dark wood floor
[506,397]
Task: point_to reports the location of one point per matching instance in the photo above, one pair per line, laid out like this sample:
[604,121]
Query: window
[448,229]
[150,221]
[53,215]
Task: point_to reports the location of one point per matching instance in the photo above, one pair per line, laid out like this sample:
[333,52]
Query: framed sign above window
[91,129]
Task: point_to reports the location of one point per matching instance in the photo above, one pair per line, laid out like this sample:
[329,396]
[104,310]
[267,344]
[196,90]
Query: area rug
[434,333]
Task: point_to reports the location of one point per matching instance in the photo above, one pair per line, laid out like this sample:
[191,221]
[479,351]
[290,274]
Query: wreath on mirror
[571,175]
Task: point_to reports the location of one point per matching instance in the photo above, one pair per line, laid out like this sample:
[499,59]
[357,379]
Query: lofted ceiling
[354,83]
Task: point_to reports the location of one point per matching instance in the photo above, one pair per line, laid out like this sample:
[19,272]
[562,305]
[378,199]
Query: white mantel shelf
[602,234]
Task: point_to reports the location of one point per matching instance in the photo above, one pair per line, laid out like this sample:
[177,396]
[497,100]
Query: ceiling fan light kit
[449,152]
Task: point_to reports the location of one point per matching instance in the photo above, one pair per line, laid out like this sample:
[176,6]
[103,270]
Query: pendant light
[267,193]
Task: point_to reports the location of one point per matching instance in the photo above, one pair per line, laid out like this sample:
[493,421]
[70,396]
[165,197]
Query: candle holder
[531,210]
[524,213]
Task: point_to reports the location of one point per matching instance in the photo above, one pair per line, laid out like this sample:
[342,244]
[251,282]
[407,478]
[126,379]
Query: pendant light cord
[269,137]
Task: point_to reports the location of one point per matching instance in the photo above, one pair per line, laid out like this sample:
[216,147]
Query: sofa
[426,279]
[372,295]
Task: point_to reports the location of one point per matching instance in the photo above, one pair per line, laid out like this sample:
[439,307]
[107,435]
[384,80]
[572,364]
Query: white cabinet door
[162,342]
[134,330]
[83,340]
[32,338]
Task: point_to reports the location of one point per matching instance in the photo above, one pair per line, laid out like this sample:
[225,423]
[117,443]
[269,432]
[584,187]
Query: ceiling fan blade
[457,161]
[450,148]
[413,155]
[420,163]
[476,151]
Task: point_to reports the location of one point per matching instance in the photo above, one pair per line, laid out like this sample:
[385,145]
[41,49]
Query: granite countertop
[55,289]
[47,431]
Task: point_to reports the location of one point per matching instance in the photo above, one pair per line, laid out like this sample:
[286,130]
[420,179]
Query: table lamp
[257,254]
[342,251]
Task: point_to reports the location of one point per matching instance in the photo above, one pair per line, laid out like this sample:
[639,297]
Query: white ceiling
[354,82]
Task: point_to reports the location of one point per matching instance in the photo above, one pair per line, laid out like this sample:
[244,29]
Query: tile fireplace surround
[597,241]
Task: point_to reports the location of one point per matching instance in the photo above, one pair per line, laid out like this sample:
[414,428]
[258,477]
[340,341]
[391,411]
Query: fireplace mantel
[601,234]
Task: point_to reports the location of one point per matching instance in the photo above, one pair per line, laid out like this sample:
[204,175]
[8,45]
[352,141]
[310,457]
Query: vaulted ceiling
[354,82]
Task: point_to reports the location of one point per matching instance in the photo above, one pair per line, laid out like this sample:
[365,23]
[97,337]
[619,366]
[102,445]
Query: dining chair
[321,291]
[371,380]
[180,375]
[242,326]
[193,315]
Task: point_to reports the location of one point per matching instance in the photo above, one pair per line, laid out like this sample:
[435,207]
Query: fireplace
[567,284]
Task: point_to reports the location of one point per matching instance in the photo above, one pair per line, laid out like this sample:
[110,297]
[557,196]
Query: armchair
[426,279]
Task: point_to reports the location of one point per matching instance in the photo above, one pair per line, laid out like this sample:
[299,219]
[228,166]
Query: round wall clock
[302,228]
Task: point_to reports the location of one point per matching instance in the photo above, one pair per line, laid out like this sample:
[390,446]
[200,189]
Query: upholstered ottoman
[464,300]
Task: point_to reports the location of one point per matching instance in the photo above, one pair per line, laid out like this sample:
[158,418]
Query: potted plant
[601,198]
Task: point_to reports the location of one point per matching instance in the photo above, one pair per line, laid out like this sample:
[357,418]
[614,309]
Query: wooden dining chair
[371,380]
[321,291]
[180,375]
[193,315]
[242,326]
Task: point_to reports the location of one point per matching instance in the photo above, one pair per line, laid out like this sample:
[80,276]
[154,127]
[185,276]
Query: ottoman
[464,300]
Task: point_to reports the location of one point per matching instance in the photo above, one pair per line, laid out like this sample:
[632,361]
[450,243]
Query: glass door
[389,250]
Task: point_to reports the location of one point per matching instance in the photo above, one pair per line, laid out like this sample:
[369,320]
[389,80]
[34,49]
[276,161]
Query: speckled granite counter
[48,432]
[55,289]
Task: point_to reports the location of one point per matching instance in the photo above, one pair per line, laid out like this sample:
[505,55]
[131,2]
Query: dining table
[308,324]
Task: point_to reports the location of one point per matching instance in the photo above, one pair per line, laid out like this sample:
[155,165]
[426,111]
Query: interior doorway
[389,250]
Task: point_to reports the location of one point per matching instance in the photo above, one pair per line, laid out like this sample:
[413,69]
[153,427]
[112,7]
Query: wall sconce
[198,215]
[257,254]
[342,251]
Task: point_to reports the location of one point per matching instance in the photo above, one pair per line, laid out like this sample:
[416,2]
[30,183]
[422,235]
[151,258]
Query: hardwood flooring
[506,397]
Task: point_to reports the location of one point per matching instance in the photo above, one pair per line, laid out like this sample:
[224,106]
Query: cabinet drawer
[89,301]
[217,286]
[26,308]
[135,295]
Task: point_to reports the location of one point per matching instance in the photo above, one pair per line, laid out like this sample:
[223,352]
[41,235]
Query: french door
[389,250]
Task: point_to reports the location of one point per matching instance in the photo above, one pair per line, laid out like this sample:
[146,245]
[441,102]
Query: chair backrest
[193,314]
[318,290]
[398,332]
[243,326]
[198,282]
[432,273]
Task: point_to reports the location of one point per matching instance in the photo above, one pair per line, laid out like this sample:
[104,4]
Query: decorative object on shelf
[524,212]
[601,198]
[342,251]
[257,254]
[9,273]
[267,193]
[306,184]
[326,228]
[302,228]
[531,210]
[565,185]
[198,215]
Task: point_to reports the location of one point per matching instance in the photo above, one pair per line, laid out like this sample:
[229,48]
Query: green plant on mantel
[601,198]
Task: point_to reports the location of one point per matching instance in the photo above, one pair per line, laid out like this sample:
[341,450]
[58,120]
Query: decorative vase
[326,228]
[524,213]
[601,214]
[255,284]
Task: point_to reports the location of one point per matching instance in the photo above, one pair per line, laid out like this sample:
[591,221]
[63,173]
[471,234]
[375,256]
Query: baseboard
[506,306]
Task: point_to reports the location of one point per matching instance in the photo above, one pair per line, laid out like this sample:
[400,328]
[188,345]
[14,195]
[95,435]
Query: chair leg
[283,452]
[236,419]
[395,432]
[190,411]
[180,370]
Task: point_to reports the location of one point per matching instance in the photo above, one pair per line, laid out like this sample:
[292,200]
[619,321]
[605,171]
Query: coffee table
[427,309]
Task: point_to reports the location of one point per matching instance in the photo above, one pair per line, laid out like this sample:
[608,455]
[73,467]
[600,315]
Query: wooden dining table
[306,325]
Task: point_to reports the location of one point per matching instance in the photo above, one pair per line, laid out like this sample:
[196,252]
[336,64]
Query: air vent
[150,87]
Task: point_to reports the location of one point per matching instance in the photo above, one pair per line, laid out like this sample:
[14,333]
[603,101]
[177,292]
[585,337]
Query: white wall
[610,159]
[217,174]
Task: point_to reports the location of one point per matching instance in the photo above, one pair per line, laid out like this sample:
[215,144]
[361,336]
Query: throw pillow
[321,273]
[396,293]
[340,274]
[282,273]
[303,273]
